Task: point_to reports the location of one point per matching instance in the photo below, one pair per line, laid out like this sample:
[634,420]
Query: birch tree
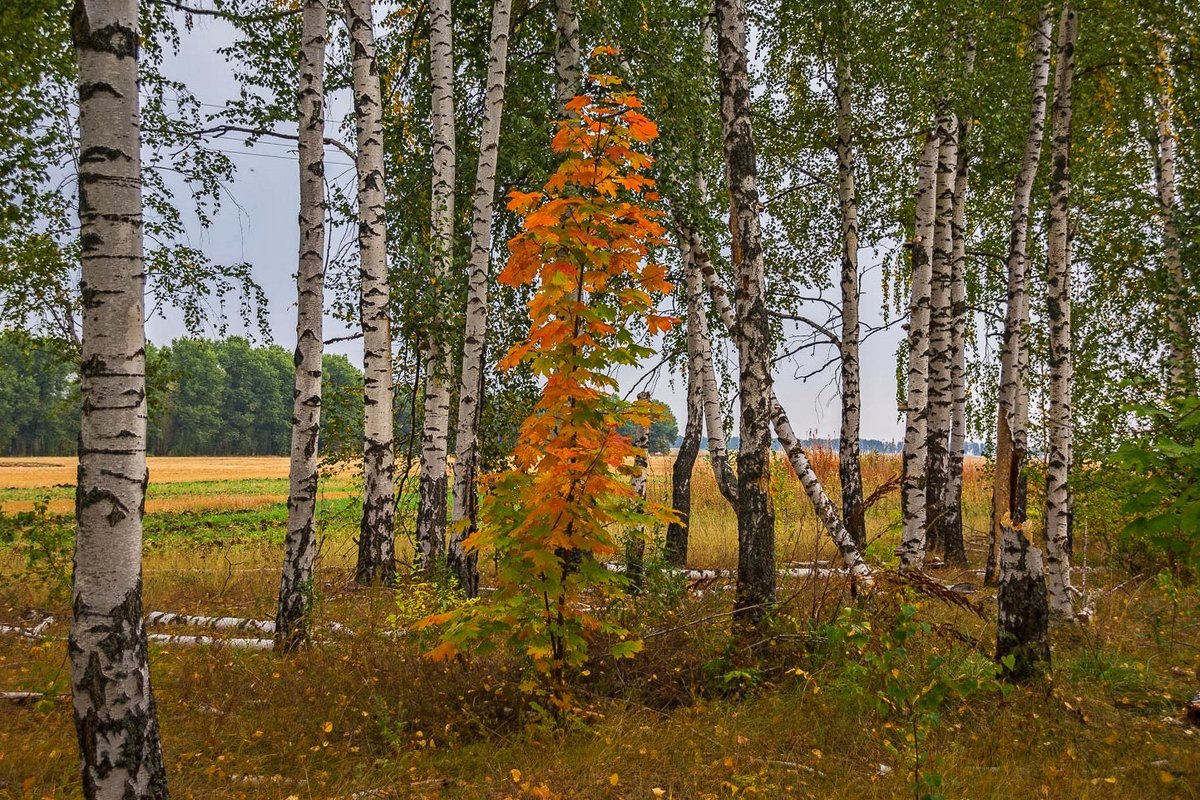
[568,70]
[913,480]
[939,392]
[300,547]
[676,545]
[466,462]
[849,468]
[113,703]
[376,539]
[431,512]
[1059,501]
[1182,364]
[756,516]
[1008,487]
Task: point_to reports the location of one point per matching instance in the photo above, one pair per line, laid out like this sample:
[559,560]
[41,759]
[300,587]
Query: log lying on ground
[237,643]
[217,623]
[30,633]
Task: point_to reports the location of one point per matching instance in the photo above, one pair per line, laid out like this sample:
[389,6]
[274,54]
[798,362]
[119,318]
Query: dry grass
[364,712]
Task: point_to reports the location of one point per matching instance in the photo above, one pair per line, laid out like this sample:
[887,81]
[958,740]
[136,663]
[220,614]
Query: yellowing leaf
[327,727]
[515,774]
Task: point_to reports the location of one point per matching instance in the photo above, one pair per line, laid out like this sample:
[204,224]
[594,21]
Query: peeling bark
[756,516]
[300,547]
[1008,489]
[1059,500]
[464,515]
[431,511]
[912,487]
[377,532]
[115,719]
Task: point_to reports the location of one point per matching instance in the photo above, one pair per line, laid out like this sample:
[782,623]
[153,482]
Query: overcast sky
[258,224]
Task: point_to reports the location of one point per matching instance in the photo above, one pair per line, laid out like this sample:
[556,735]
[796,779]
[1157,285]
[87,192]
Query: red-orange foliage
[586,245]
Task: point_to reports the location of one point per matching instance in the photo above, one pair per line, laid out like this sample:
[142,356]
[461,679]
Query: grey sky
[258,224]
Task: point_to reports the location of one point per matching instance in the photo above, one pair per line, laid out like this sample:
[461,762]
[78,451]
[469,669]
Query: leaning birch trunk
[377,532]
[1008,489]
[940,393]
[714,419]
[115,719]
[676,544]
[756,516]
[1059,502]
[849,468]
[466,443]
[431,511]
[822,506]
[635,546]
[300,548]
[912,486]
[1182,365]
[568,71]
[952,523]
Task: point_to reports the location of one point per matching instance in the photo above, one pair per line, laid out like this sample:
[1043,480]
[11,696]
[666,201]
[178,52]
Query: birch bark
[635,550]
[912,486]
[939,398]
[376,539]
[115,719]
[466,461]
[567,64]
[951,528]
[431,511]
[676,545]
[1182,365]
[1008,489]
[849,468]
[756,516]
[1059,501]
[300,547]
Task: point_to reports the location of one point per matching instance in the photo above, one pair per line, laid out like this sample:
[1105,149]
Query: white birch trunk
[466,462]
[376,540]
[952,530]
[676,544]
[1059,502]
[115,719]
[714,419]
[1182,364]
[939,388]
[1008,489]
[300,548]
[912,487]
[756,516]
[635,548]
[849,468]
[568,68]
[431,512]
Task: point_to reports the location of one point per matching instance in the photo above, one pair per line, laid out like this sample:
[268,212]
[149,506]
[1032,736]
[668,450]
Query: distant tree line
[225,397]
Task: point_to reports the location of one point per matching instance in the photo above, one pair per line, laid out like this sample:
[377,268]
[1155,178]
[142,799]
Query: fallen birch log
[217,623]
[194,641]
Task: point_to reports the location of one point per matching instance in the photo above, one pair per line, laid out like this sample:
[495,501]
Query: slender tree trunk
[1059,502]
[849,468]
[567,63]
[714,419]
[675,549]
[1182,364]
[940,394]
[1008,489]
[431,512]
[912,487]
[376,539]
[756,516]
[635,549]
[951,528]
[466,442]
[115,718]
[300,548]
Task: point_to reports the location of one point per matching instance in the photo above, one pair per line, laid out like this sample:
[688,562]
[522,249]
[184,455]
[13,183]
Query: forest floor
[839,697]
